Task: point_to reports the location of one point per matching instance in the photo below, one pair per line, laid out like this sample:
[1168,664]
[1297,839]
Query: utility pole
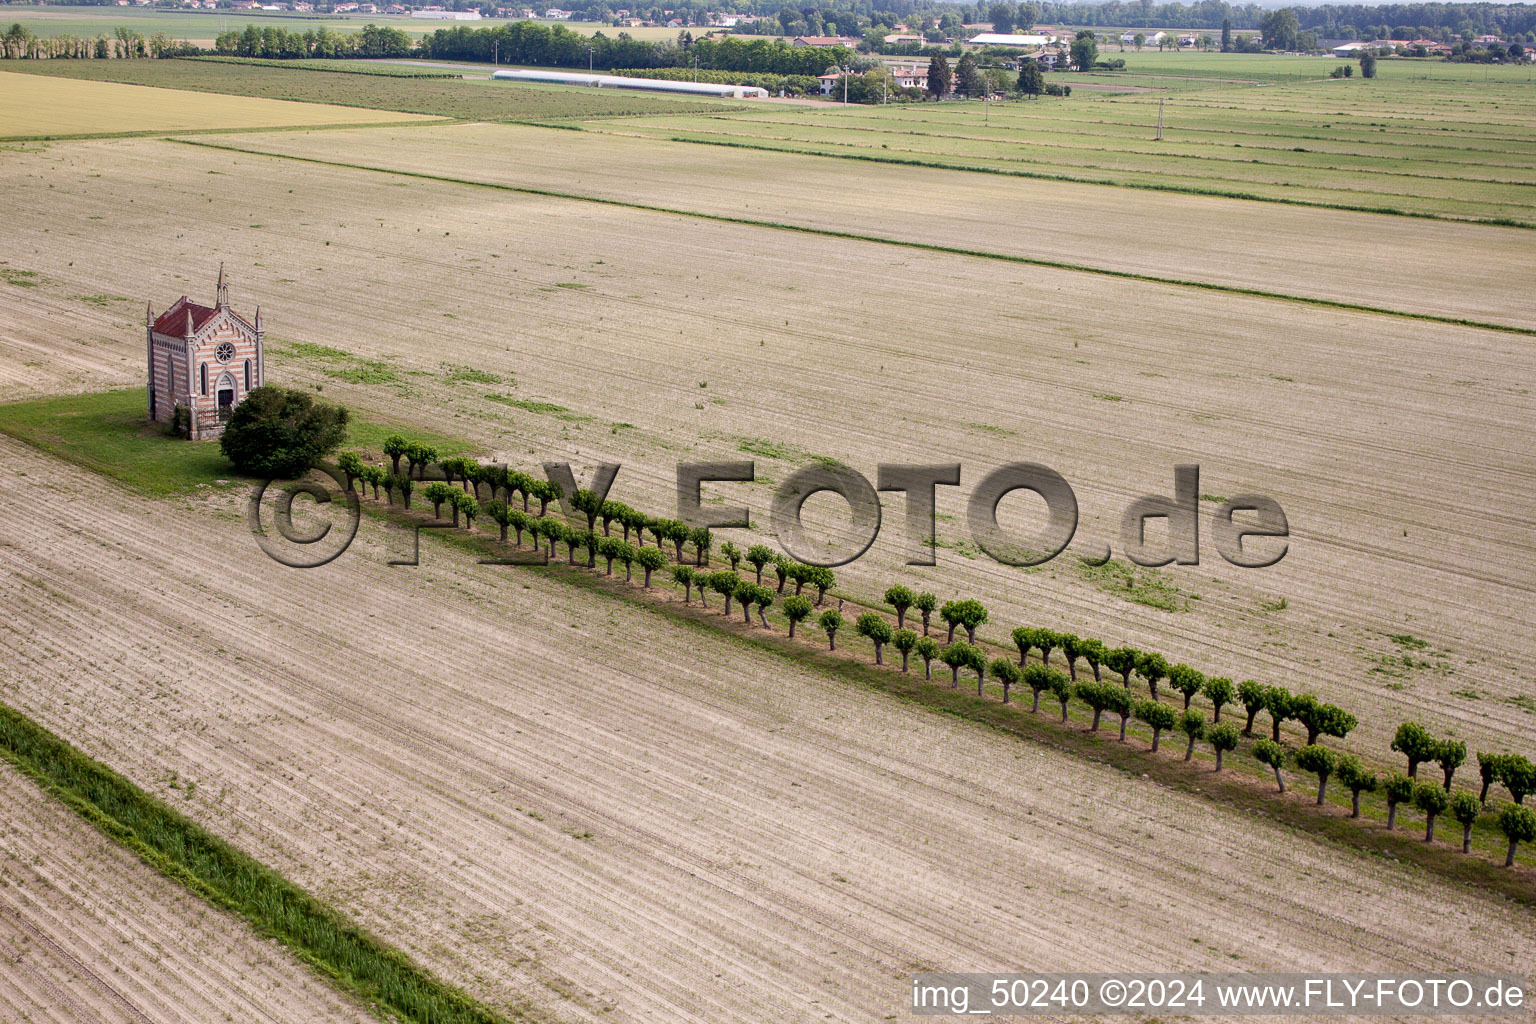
[496,52]
[589,57]
[1159,120]
[846,72]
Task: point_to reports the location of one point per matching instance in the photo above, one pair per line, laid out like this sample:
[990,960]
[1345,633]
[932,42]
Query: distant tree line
[526,42]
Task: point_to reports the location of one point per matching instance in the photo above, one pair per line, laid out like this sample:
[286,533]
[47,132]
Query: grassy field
[1386,146]
[479,100]
[1318,254]
[1431,140]
[105,432]
[40,107]
[1280,68]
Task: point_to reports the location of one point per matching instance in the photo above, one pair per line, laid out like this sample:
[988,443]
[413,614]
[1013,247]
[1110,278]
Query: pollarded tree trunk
[928,670]
[1252,714]
[951,639]
[1322,789]
[792,625]
[1449,772]
[763,618]
[904,656]
[1391,817]
[647,578]
[925,623]
[1063,711]
[954,677]
[1157,735]
[1509,860]
[1123,720]
[1189,751]
[1354,804]
[629,572]
[1072,669]
[1218,759]
[878,647]
[1006,687]
[970,634]
[1429,828]
[1096,676]
[503,532]
[746,612]
[1097,712]
[1279,779]
[1466,837]
[1035,708]
[727,604]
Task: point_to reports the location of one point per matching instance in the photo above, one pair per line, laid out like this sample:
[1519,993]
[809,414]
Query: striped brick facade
[206,358]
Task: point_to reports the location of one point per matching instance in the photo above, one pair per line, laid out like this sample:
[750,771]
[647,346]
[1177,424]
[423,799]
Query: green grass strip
[948,250]
[356,962]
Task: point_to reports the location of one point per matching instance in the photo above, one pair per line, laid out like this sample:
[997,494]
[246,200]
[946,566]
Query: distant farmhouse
[1009,39]
[203,358]
[824,42]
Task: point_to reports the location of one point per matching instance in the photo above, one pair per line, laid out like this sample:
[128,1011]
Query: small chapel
[203,358]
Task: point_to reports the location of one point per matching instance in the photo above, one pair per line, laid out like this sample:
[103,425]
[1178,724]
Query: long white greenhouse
[740,92]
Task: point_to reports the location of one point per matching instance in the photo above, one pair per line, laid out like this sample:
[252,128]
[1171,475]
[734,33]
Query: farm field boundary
[453,97]
[1149,186]
[1242,785]
[348,957]
[38,108]
[882,240]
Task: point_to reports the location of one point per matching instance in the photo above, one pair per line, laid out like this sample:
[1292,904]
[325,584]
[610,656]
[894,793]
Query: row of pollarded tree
[470,491]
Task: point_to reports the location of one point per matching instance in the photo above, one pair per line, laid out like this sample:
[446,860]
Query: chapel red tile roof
[173,322]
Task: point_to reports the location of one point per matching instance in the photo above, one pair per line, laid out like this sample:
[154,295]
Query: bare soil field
[564,805]
[1399,263]
[1369,430]
[91,933]
[51,107]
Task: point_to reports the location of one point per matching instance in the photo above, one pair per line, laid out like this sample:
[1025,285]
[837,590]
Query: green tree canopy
[282,433]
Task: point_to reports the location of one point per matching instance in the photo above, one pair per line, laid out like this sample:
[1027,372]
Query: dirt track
[554,799]
[91,933]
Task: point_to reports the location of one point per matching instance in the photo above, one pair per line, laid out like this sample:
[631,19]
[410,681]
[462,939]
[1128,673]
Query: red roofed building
[206,358]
